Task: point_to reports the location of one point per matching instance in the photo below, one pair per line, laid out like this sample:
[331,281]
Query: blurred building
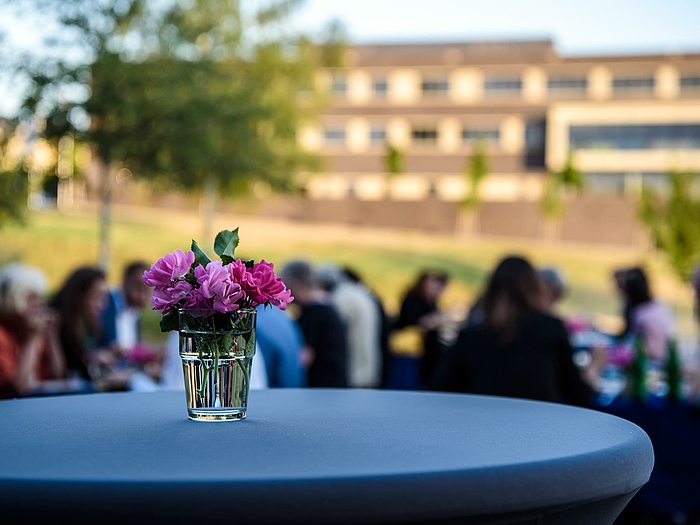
[627,120]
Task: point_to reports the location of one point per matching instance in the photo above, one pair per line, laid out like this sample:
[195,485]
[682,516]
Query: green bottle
[638,372]
[673,372]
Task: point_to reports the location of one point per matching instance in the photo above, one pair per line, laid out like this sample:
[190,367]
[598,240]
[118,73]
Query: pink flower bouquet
[193,283]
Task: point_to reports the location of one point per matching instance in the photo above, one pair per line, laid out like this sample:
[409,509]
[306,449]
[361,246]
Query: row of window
[625,137]
[514,85]
[378,134]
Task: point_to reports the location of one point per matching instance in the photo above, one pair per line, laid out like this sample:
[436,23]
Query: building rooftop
[412,54]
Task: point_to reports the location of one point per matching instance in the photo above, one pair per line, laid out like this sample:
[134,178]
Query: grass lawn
[389,260]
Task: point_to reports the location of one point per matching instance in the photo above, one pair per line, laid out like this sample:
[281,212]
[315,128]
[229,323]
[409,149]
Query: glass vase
[217,355]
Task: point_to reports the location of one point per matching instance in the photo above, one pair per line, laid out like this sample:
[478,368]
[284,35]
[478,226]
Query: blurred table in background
[317,456]
[674,487]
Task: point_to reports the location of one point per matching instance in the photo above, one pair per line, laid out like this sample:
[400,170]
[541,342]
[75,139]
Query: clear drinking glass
[217,355]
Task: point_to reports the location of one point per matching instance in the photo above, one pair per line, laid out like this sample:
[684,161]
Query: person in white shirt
[361,317]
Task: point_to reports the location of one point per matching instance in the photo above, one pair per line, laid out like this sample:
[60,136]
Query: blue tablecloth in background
[674,430]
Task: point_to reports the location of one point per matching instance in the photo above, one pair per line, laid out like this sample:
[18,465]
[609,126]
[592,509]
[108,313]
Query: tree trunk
[208,209]
[105,215]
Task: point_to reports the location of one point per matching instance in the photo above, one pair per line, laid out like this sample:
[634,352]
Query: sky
[577,27]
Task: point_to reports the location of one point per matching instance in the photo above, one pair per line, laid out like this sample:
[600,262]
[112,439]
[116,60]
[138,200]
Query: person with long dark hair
[79,304]
[419,309]
[650,319]
[517,350]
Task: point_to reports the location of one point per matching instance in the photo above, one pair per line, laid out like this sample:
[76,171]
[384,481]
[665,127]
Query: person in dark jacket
[518,350]
[321,326]
[420,309]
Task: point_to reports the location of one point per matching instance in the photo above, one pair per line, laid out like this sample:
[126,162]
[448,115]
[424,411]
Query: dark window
[534,144]
[502,85]
[435,87]
[424,134]
[481,134]
[379,88]
[377,135]
[690,82]
[655,136]
[567,83]
[334,135]
[633,84]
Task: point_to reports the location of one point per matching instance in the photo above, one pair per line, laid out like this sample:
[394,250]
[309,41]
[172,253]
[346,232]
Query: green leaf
[225,243]
[226,259]
[199,256]
[169,321]
[250,347]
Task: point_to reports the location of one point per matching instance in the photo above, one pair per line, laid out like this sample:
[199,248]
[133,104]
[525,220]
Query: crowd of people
[336,334]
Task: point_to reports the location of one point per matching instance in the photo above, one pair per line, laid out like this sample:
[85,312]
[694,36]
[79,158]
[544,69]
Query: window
[469,134]
[615,182]
[424,135]
[605,182]
[435,87]
[502,85]
[377,134]
[535,134]
[690,82]
[339,86]
[334,135]
[379,87]
[664,136]
[567,84]
[633,84]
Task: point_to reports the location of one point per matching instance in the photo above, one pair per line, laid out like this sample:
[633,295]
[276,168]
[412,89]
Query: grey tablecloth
[316,456]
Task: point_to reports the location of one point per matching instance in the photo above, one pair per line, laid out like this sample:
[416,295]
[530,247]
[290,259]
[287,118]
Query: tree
[475,171]
[674,223]
[14,177]
[197,95]
[558,184]
[393,160]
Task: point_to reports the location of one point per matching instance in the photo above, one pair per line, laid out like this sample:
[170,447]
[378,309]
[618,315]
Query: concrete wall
[590,219]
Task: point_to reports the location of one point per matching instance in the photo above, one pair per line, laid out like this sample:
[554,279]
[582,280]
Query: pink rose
[267,287]
[169,268]
[197,301]
[211,279]
[217,282]
[167,297]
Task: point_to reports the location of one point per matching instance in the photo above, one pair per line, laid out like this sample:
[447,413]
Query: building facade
[626,120]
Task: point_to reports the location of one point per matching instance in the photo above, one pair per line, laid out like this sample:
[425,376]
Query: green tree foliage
[182,92]
[674,223]
[393,160]
[14,179]
[475,171]
[558,184]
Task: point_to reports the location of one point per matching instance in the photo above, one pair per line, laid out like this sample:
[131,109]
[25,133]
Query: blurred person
[323,331]
[280,344]
[384,324]
[419,309]
[121,319]
[650,319]
[553,287]
[29,347]
[360,316]
[172,377]
[619,278]
[80,303]
[695,281]
[518,350]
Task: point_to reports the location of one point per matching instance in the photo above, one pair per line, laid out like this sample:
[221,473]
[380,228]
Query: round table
[317,456]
